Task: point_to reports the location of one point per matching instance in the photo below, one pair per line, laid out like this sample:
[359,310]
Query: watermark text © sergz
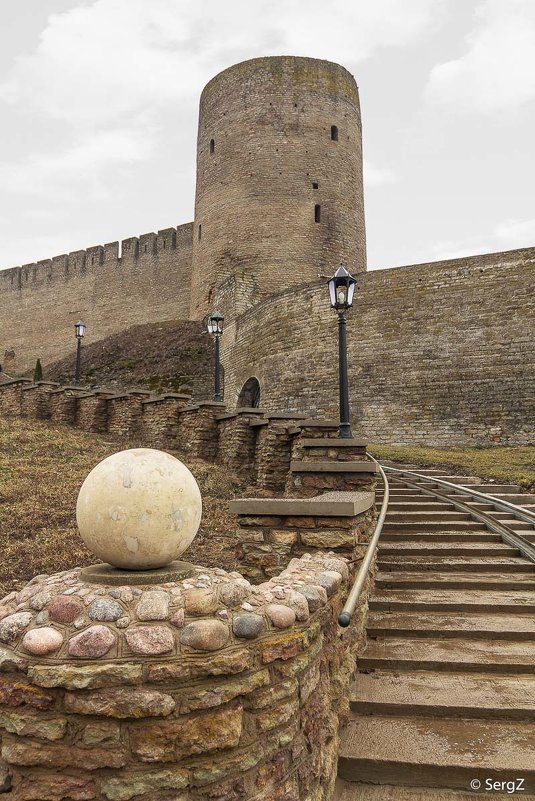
[510,786]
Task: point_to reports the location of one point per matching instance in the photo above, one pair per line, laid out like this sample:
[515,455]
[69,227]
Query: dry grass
[506,465]
[41,470]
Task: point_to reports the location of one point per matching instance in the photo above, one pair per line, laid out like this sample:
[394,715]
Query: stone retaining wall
[201,689]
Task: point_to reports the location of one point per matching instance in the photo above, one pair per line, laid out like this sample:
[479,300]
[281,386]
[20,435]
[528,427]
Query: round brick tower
[279,194]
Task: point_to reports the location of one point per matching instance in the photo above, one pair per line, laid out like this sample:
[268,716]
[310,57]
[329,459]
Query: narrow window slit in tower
[200,232]
[334,133]
[164,243]
[212,145]
[145,248]
[315,185]
[317,214]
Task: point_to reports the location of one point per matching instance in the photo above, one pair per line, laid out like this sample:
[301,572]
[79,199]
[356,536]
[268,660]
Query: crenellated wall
[145,280]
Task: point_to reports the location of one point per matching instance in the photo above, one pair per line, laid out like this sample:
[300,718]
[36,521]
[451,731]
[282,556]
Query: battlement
[68,266]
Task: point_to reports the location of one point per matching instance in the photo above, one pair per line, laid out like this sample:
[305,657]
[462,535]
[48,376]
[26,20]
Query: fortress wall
[439,354]
[39,303]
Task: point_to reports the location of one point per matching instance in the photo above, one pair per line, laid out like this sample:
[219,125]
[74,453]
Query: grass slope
[41,471]
[505,465]
[172,356]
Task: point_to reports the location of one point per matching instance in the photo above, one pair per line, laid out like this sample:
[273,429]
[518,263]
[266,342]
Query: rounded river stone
[205,635]
[247,626]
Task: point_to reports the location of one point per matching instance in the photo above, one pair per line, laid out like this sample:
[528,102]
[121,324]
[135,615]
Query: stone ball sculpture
[139,509]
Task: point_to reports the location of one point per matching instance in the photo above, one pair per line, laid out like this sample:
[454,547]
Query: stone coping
[201,404]
[256,423]
[30,386]
[13,381]
[286,416]
[47,383]
[57,625]
[329,504]
[333,442]
[299,466]
[241,410]
[70,390]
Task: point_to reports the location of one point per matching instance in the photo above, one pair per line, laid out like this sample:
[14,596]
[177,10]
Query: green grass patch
[506,465]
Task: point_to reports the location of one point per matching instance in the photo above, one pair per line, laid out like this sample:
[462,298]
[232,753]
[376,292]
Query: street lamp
[215,327]
[341,291]
[79,328]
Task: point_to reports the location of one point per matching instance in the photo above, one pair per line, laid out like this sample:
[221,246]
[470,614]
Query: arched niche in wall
[250,393]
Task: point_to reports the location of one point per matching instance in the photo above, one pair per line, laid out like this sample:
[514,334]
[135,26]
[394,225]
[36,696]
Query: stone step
[456,581]
[449,536]
[433,600]
[423,515]
[422,693]
[518,525]
[452,624]
[519,499]
[357,791]
[427,524]
[453,653]
[465,563]
[420,506]
[451,549]
[436,752]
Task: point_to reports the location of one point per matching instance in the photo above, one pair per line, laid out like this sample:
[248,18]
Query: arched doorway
[250,393]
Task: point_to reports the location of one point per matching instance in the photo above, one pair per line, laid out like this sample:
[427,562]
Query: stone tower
[279,195]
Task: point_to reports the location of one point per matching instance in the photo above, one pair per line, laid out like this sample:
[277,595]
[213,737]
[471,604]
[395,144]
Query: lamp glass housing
[79,327]
[215,323]
[341,289]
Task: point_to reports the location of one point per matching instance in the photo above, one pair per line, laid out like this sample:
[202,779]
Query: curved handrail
[464,489]
[344,618]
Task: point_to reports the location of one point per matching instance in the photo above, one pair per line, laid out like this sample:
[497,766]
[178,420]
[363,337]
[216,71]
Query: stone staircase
[445,693]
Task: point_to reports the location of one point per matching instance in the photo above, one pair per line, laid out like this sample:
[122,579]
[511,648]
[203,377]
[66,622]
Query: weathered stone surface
[281,616]
[135,784]
[10,661]
[277,715]
[5,611]
[150,640]
[328,538]
[330,580]
[200,602]
[232,594]
[41,599]
[30,724]
[205,635]
[92,643]
[199,734]
[228,662]
[43,641]
[100,732]
[120,703]
[153,606]
[56,788]
[205,697]
[82,677]
[316,596]
[16,692]
[178,619]
[269,696]
[12,625]
[248,626]
[17,751]
[283,536]
[284,647]
[65,609]
[298,602]
[105,610]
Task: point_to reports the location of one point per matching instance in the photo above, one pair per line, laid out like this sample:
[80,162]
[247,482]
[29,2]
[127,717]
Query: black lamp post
[341,291]
[79,327]
[215,327]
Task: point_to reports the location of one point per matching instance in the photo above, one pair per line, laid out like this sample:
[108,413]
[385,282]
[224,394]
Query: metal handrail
[464,489]
[513,538]
[344,618]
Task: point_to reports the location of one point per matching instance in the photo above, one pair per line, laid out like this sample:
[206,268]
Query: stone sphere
[139,509]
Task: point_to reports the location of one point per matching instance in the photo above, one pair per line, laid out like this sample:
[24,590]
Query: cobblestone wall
[207,687]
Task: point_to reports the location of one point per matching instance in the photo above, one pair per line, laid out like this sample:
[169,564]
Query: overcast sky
[99,104]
